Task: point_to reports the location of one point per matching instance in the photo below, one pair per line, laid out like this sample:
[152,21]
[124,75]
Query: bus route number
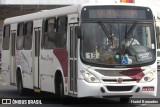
[92,55]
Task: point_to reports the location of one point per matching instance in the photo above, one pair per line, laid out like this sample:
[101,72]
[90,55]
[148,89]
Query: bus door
[36,60]
[8,54]
[12,56]
[73,60]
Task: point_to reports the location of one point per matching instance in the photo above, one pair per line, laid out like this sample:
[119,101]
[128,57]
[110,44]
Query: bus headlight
[89,77]
[149,76]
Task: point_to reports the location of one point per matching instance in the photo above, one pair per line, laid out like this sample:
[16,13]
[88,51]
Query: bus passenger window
[62,24]
[28,35]
[6,36]
[61,35]
[20,36]
[49,29]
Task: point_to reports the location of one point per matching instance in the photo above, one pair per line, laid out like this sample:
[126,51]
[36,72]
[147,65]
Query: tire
[124,100]
[64,99]
[61,87]
[60,91]
[21,90]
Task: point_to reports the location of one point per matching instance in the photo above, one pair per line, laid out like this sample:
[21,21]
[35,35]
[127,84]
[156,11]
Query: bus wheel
[61,87]
[20,85]
[64,99]
[60,90]
[124,100]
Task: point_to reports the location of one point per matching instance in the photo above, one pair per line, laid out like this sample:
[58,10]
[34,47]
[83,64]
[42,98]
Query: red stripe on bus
[62,56]
[134,73]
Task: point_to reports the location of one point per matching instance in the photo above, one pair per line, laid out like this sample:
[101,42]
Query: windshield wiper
[131,29]
[106,31]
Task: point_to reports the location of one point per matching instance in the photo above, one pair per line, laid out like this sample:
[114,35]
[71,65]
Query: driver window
[89,37]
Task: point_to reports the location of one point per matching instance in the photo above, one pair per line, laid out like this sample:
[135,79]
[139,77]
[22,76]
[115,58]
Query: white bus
[82,51]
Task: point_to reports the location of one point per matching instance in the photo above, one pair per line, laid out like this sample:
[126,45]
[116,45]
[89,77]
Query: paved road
[7,91]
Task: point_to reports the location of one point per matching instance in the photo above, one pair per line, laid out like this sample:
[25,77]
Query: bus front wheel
[59,89]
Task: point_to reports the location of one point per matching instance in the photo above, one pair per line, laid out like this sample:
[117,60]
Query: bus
[84,50]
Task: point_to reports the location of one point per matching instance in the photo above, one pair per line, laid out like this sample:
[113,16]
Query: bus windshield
[118,43]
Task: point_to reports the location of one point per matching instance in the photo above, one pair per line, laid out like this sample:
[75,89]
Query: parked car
[158,59]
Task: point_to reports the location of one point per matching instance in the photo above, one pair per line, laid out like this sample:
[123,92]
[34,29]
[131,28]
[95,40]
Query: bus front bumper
[101,90]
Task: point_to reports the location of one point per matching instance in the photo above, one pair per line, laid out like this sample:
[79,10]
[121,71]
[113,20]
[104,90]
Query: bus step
[37,90]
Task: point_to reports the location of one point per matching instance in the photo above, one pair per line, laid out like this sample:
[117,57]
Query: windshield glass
[117,43]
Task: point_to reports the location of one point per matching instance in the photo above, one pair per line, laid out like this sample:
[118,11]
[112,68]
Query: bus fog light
[146,78]
[102,90]
[93,79]
[89,77]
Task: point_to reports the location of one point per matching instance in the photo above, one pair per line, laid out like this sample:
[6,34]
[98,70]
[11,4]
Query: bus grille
[119,88]
[124,80]
[129,72]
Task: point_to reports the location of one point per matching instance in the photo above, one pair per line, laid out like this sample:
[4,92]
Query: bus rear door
[36,54]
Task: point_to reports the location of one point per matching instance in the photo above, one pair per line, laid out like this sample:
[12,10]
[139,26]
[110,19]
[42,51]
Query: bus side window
[20,36]
[48,35]
[6,36]
[28,35]
[61,35]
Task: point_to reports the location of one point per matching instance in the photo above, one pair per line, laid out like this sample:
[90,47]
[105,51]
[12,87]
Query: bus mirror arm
[78,32]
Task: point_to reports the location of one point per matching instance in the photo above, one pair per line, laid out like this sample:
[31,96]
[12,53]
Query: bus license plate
[148,89]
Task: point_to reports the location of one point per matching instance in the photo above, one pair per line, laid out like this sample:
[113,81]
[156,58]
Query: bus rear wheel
[20,88]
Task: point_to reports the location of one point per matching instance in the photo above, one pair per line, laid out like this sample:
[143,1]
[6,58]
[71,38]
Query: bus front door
[73,60]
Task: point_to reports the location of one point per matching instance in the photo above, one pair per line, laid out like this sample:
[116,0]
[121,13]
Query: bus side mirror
[78,32]
[158,36]
[157,31]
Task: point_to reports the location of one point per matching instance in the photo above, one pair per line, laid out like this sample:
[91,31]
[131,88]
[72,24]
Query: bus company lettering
[47,58]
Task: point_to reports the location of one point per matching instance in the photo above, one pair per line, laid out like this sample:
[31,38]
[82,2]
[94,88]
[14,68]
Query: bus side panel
[25,59]
[6,66]
[48,65]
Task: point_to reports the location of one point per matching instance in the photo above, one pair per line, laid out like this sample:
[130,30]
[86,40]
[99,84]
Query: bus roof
[56,12]
[42,14]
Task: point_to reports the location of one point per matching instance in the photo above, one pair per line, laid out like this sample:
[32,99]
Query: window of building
[6,36]
[28,35]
